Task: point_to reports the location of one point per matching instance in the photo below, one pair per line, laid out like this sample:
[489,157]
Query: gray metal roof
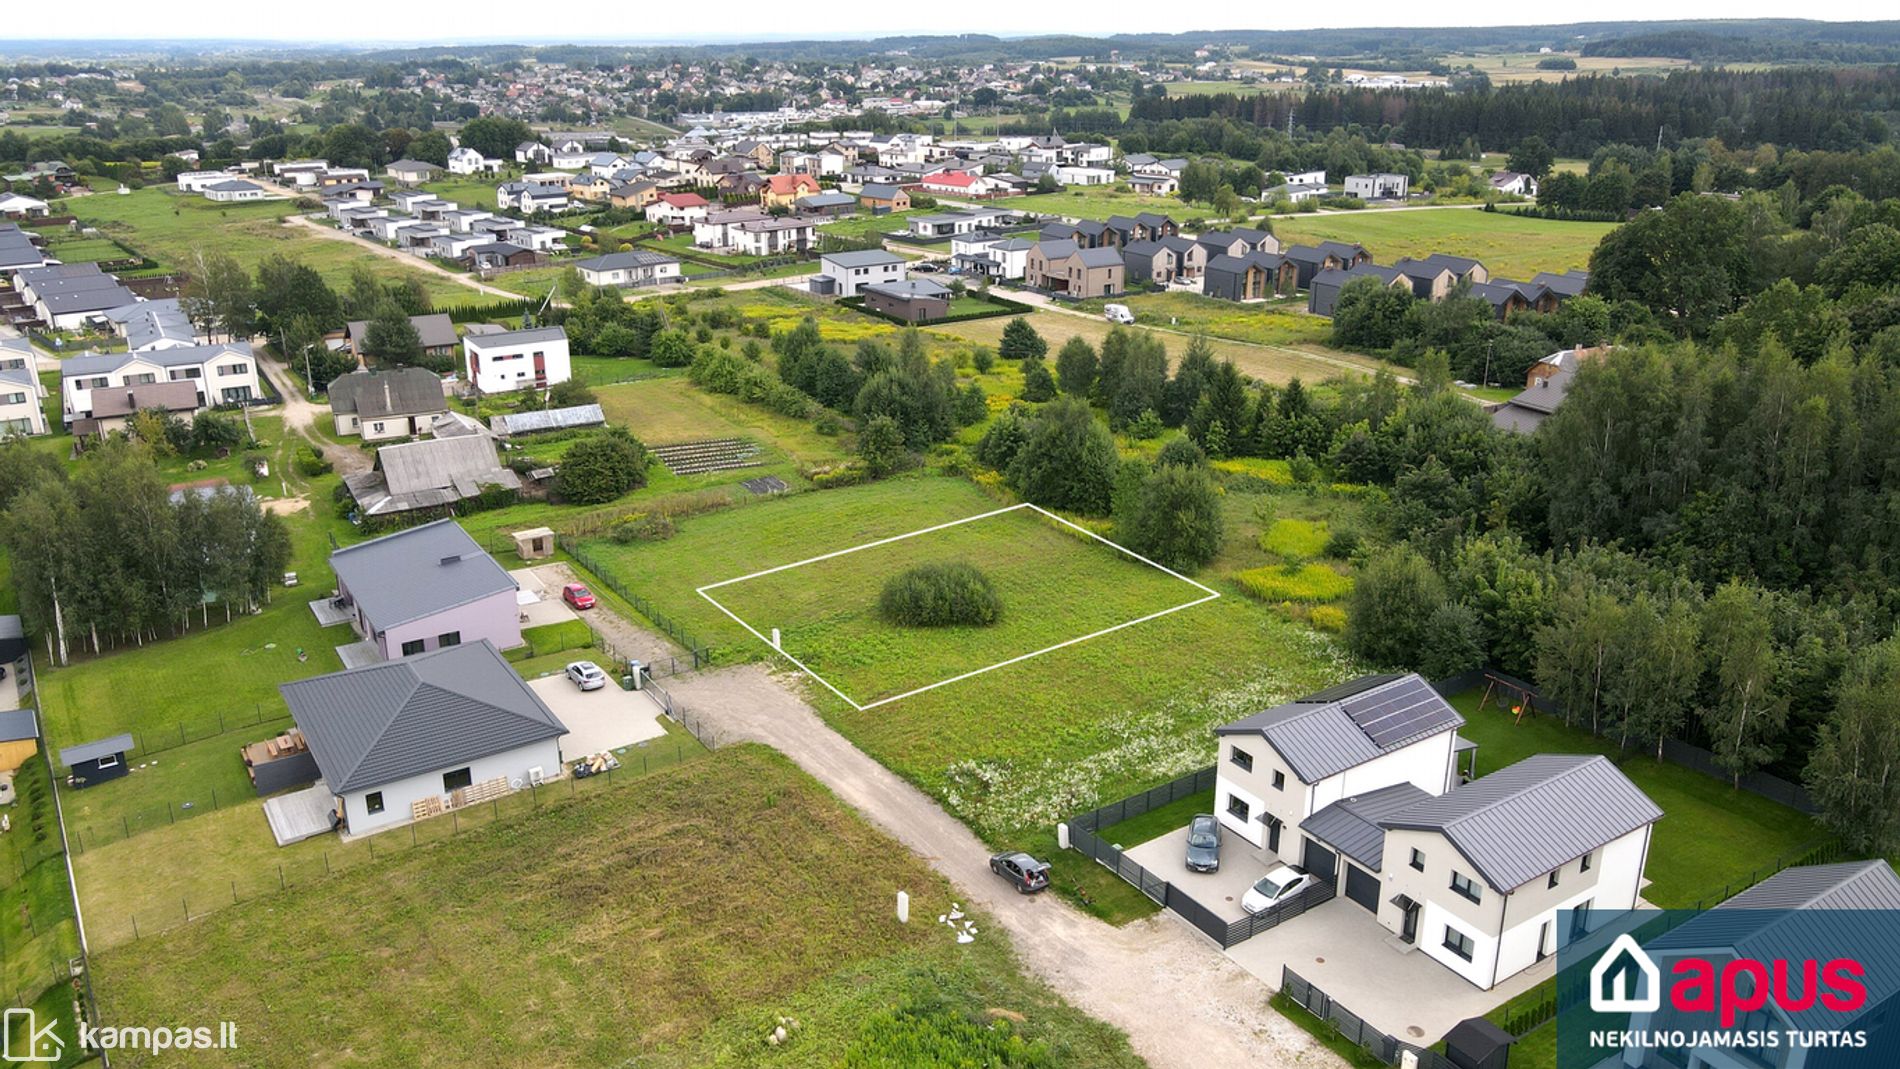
[910,289]
[551,419]
[434,330]
[418,572]
[506,338]
[384,722]
[1105,256]
[1814,911]
[183,356]
[1345,726]
[863,258]
[18,725]
[1526,819]
[92,751]
[398,391]
[1351,825]
[619,261]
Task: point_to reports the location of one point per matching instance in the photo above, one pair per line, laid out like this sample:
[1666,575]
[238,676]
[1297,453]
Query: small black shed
[93,763]
[1475,1043]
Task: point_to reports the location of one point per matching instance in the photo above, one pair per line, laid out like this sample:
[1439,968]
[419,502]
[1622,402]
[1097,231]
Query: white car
[1278,885]
[586,675]
[1117,313]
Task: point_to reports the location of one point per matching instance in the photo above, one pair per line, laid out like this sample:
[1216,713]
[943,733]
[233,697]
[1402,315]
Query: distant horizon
[1126,18]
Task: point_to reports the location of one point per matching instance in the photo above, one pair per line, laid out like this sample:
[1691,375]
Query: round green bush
[941,595]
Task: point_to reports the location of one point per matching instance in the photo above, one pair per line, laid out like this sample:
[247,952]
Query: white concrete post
[1062,836]
[775,644]
[903,907]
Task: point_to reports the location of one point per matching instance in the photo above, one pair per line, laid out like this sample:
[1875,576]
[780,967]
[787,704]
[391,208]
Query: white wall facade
[398,797]
[502,367]
[850,280]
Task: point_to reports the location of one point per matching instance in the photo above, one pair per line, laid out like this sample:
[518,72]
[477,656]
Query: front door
[1408,927]
[1543,941]
[1273,835]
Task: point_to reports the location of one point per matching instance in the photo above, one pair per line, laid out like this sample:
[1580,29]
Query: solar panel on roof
[1399,710]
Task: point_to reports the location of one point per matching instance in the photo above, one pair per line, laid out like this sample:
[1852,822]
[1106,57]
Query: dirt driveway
[1180,1000]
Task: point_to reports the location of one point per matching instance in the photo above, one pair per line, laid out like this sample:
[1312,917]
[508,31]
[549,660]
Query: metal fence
[158,740]
[1355,1029]
[1083,838]
[700,653]
[1674,751]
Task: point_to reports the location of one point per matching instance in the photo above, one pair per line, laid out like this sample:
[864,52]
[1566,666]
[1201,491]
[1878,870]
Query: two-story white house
[1360,786]
[221,374]
[21,413]
[535,359]
[466,160]
[843,274]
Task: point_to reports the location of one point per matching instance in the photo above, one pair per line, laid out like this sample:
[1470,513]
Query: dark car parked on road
[1028,874]
[1203,843]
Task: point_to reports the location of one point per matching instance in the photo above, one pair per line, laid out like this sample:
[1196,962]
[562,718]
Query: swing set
[1517,695]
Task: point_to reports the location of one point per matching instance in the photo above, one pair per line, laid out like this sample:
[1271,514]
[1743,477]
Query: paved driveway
[599,720]
[1340,948]
[1241,863]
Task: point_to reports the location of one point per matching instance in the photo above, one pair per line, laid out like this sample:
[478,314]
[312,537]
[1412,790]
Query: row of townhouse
[101,392]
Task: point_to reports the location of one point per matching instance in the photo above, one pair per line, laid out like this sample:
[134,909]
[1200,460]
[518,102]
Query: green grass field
[38,934]
[1100,202]
[864,226]
[1273,323]
[1711,837]
[635,923]
[1054,585]
[173,228]
[1510,246]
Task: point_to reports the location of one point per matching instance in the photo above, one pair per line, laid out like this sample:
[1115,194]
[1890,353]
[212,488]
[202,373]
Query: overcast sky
[490,20]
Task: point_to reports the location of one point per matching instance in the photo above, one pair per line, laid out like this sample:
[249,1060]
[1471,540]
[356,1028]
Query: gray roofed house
[1522,821]
[1527,411]
[1323,292]
[436,331]
[1328,732]
[18,725]
[1571,283]
[392,738]
[429,473]
[1353,825]
[92,751]
[863,258]
[403,399]
[426,587]
[525,336]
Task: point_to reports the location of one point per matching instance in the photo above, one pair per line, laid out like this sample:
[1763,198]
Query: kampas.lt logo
[26,1040]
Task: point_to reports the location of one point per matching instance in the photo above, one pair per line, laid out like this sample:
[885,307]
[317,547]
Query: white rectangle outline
[702,592]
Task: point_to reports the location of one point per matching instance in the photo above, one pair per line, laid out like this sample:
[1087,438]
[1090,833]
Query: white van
[1117,313]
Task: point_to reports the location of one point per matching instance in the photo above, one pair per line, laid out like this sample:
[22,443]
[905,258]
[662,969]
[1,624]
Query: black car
[1203,843]
[1028,874]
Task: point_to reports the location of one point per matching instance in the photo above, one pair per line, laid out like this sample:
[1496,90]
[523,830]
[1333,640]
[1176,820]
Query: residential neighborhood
[936,541]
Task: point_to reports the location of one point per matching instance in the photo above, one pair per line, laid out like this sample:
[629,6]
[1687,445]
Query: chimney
[451,559]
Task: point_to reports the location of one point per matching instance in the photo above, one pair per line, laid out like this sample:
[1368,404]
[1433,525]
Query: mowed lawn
[1013,750]
[1054,583]
[1509,246]
[1100,202]
[636,925]
[1712,841]
[174,228]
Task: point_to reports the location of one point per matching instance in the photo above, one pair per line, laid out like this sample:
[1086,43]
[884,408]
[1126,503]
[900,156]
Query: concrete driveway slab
[1241,863]
[597,720]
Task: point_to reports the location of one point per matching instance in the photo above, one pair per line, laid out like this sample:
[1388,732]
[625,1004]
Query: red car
[577,595]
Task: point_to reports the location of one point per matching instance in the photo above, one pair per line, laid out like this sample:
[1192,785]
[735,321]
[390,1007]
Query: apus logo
[25,1040]
[1625,980]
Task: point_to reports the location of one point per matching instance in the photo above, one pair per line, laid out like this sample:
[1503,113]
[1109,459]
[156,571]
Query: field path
[1183,1004]
[301,414]
[399,256]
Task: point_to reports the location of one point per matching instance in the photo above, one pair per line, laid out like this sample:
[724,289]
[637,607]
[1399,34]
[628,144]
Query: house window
[13,398]
[412,647]
[449,638]
[234,369]
[373,801]
[377,427]
[1237,808]
[456,780]
[1458,943]
[1465,886]
[1279,780]
[110,760]
[1418,859]
[141,380]
[1554,875]
[1584,865]
[1241,759]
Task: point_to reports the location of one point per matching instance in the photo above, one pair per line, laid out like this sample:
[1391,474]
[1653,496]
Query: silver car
[1203,843]
[586,675]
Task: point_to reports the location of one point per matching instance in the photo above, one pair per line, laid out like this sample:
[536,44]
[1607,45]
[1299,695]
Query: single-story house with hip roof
[828,204]
[435,330]
[397,402]
[535,358]
[635,268]
[425,588]
[915,300]
[1810,912]
[412,172]
[93,763]
[234,189]
[406,738]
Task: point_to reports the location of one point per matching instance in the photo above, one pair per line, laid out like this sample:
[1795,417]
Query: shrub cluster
[941,595]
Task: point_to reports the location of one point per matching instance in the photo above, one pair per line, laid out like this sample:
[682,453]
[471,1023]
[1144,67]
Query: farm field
[1522,66]
[622,937]
[1054,585]
[1013,750]
[172,228]
[1510,246]
[1099,202]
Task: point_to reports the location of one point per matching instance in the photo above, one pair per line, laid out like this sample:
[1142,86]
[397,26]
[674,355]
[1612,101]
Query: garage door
[1362,887]
[1319,861]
